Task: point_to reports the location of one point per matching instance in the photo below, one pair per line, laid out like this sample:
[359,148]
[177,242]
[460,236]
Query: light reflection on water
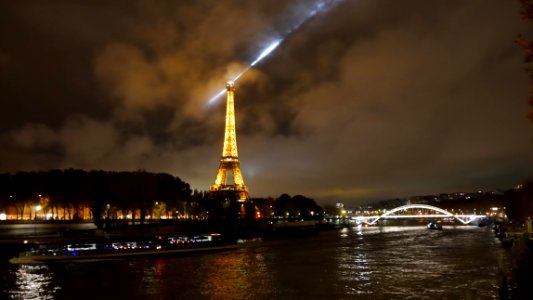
[403,262]
[229,279]
[33,282]
[358,262]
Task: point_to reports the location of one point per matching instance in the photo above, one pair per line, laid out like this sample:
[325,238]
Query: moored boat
[434,226]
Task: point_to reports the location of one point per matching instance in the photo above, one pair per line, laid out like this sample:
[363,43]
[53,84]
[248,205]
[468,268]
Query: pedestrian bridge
[436,213]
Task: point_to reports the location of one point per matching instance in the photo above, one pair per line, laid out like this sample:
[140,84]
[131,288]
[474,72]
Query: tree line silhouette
[111,195]
[104,192]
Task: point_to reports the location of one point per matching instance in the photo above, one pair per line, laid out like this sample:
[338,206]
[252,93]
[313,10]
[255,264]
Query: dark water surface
[353,263]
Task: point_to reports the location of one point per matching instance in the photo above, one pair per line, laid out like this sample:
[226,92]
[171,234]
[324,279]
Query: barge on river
[123,248]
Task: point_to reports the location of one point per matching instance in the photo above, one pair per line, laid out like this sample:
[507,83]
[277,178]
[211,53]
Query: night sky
[366,100]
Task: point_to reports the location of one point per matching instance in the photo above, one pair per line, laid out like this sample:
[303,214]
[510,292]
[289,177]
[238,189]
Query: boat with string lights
[123,248]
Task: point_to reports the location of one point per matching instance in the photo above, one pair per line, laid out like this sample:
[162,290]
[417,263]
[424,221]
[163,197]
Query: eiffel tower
[230,158]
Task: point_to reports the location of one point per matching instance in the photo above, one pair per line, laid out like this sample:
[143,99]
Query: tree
[298,207]
[4,194]
[23,191]
[519,202]
[99,181]
[143,192]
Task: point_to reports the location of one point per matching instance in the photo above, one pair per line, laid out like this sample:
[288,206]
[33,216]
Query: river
[463,262]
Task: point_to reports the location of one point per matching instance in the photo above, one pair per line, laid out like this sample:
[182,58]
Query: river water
[463,262]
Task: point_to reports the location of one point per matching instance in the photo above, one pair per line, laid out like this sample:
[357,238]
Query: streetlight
[38,208]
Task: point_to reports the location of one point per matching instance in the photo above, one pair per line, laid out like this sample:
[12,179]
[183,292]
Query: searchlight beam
[320,6]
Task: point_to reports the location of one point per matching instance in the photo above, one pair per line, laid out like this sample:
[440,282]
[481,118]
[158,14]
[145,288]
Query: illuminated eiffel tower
[230,158]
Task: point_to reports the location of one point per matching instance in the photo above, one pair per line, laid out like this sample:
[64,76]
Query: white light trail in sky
[320,6]
[267,51]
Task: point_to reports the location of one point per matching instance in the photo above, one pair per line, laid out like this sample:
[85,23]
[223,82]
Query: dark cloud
[365,100]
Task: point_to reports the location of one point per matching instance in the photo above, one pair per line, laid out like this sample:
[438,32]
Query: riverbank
[518,241]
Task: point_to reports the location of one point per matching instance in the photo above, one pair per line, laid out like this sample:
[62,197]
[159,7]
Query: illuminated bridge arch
[372,220]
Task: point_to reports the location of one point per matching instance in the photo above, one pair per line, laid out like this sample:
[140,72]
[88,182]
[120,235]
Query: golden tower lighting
[229,163]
